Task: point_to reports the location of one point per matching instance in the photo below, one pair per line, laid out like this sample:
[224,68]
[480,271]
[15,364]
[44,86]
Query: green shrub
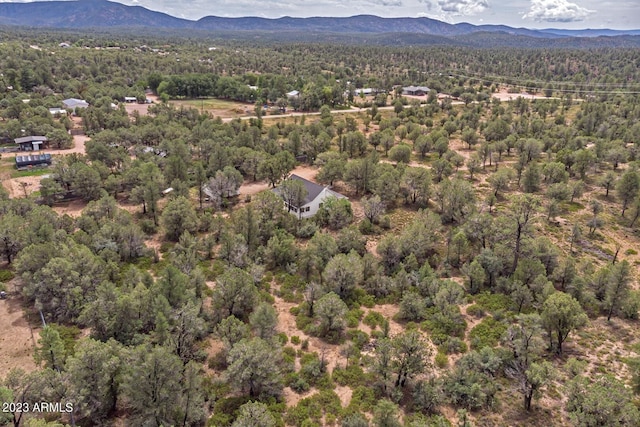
[352,376]
[575,367]
[377,335]
[353,317]
[307,230]
[309,411]
[476,311]
[6,275]
[314,371]
[631,252]
[165,247]
[365,226]
[421,420]
[289,353]
[441,360]
[302,321]
[299,384]
[363,399]
[217,268]
[364,299]
[443,325]
[493,302]
[226,410]
[427,396]
[359,338]
[148,227]
[306,409]
[214,390]
[283,338]
[453,345]
[486,333]
[373,319]
[304,345]
[295,339]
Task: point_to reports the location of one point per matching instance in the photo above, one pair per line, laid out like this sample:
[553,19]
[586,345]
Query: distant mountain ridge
[106,14]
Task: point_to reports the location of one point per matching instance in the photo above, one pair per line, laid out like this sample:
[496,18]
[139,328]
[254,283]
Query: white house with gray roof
[316,196]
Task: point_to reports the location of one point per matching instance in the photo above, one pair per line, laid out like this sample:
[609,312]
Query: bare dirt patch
[73,208]
[504,95]
[291,398]
[16,338]
[344,393]
[23,186]
[389,311]
[142,109]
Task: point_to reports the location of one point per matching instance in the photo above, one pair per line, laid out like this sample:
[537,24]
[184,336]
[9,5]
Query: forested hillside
[482,271]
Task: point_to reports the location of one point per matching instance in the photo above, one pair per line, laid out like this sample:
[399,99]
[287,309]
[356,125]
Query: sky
[566,14]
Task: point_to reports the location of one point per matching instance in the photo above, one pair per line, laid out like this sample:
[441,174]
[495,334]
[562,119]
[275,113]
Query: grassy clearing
[214,104]
[32,172]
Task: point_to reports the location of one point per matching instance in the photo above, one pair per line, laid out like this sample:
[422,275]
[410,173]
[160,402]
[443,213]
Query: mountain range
[83,14]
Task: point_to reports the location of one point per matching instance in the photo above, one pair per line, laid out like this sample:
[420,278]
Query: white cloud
[556,11]
[392,3]
[463,7]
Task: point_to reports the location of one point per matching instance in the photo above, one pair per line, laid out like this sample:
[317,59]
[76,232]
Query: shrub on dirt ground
[486,333]
[373,319]
[6,275]
[352,376]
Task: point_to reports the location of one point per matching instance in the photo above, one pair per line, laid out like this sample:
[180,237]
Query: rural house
[74,103]
[314,199]
[415,90]
[32,143]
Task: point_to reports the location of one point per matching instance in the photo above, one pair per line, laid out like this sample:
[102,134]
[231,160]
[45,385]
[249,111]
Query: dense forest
[482,271]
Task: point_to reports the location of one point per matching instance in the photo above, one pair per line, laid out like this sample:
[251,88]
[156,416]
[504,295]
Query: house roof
[31,139]
[416,88]
[313,189]
[75,102]
[33,159]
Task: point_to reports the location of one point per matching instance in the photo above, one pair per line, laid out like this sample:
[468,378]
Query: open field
[217,107]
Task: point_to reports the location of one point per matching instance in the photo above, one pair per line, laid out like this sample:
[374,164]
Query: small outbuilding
[37,160]
[32,143]
[57,111]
